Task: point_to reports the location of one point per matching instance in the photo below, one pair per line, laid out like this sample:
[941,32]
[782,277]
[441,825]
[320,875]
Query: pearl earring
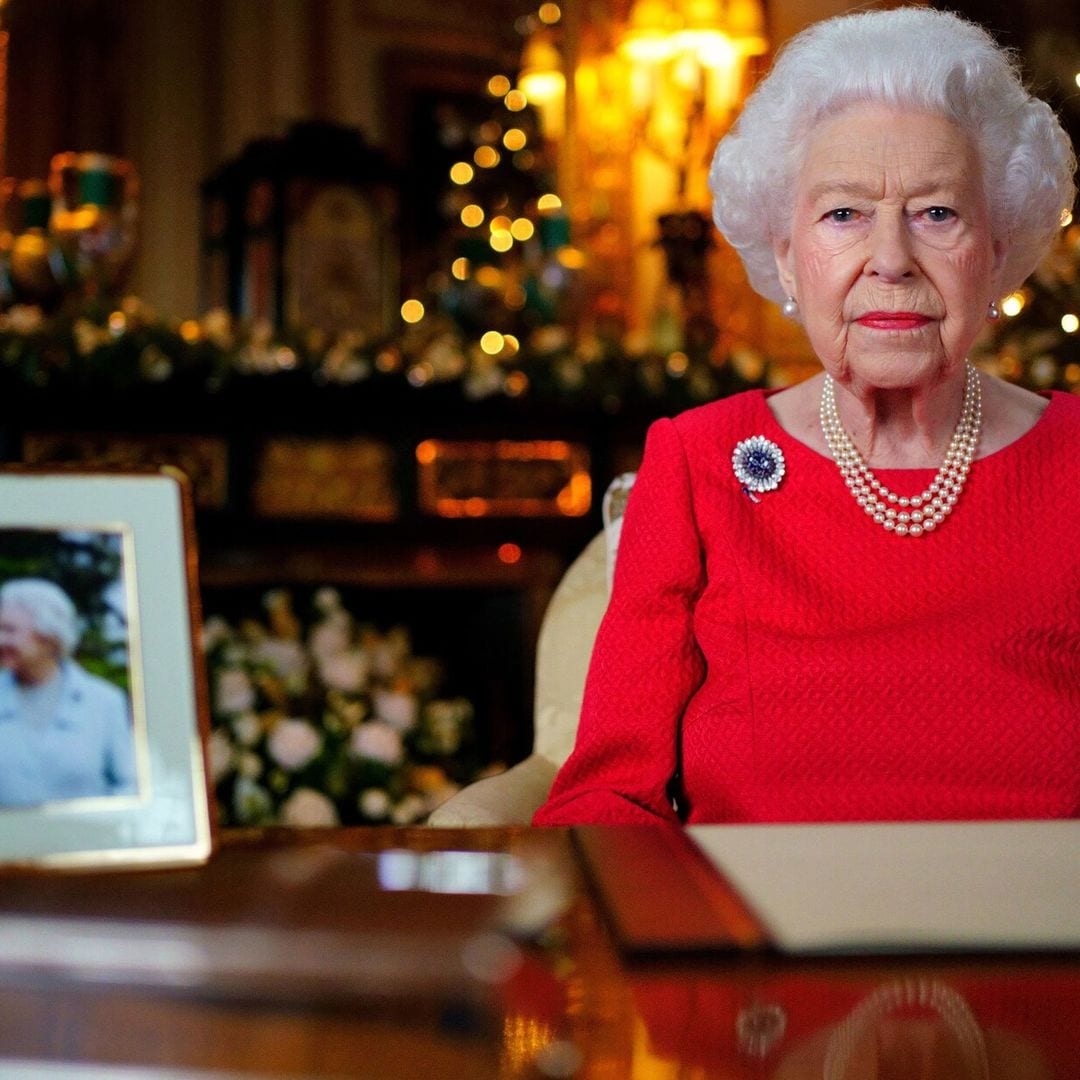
[994,312]
[790,307]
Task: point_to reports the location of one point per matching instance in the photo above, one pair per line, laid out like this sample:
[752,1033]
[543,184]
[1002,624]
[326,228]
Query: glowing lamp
[542,81]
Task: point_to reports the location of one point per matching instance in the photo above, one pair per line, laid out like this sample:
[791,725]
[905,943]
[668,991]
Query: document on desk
[839,889]
[922,887]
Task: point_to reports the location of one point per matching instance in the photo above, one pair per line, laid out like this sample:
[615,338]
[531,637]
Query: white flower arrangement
[293,744]
[333,723]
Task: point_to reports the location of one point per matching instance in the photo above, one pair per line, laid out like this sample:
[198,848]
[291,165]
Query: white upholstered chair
[565,644]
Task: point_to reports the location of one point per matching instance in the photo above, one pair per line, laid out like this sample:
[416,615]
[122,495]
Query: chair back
[569,629]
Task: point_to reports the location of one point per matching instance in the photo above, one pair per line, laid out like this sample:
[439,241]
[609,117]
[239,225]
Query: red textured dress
[790,660]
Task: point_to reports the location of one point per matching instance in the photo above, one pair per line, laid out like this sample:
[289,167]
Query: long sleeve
[646,663]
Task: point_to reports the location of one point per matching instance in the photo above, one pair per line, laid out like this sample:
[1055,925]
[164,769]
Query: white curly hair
[917,58]
[53,614]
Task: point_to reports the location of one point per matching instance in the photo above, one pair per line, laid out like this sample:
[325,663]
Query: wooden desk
[362,953]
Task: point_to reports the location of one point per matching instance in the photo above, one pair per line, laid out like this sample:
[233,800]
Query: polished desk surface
[375,953]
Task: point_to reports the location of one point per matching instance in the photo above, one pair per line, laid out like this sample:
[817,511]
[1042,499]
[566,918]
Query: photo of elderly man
[64,733]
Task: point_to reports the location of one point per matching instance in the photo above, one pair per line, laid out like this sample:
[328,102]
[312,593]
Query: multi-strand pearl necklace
[862,1025]
[900,514]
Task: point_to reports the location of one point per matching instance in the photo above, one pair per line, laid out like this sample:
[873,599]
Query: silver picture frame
[161,814]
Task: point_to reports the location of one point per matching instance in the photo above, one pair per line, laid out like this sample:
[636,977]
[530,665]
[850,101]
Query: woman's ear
[782,253]
[999,261]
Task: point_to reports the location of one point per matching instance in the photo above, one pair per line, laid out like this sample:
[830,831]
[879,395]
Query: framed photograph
[103,709]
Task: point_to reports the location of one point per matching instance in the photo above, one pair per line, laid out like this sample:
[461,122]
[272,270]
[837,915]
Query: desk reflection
[851,1024]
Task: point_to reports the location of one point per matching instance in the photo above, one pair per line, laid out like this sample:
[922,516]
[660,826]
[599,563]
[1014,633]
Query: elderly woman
[858,598]
[64,733]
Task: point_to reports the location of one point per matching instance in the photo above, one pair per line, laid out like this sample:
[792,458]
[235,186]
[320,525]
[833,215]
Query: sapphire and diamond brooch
[759,465]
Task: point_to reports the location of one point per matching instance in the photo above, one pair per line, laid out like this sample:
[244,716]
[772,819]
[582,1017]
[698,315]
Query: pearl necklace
[900,514]
[862,1024]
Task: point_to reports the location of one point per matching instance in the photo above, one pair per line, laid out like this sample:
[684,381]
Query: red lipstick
[893,320]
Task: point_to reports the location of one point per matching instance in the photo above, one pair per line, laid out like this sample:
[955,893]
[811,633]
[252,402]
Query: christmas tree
[1037,340]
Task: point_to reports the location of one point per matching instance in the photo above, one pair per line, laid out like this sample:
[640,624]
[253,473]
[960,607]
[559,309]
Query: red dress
[790,660]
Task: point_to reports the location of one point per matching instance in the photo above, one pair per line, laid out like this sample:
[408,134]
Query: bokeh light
[492,343]
[509,554]
[1013,304]
[571,257]
[461,172]
[517,382]
[677,363]
[472,215]
[515,139]
[522,229]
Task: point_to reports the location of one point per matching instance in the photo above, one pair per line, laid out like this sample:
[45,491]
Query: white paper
[890,887]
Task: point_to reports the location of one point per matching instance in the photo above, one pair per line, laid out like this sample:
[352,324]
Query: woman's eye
[841,214]
[940,213]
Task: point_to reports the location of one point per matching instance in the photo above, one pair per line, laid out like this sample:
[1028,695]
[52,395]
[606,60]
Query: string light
[571,258]
[1013,304]
[501,240]
[677,363]
[461,172]
[522,228]
[515,139]
[460,268]
[549,14]
[472,215]
[420,374]
[388,360]
[1070,323]
[492,343]
[509,554]
[412,311]
[487,157]
[517,382]
[548,202]
[515,101]
[498,86]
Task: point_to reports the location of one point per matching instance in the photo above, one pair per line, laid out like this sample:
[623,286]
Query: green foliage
[87,351]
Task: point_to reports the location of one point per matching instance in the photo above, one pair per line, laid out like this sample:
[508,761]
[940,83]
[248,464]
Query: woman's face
[23,651]
[890,255]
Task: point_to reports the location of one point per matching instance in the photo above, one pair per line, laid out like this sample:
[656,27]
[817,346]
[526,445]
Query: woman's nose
[890,254]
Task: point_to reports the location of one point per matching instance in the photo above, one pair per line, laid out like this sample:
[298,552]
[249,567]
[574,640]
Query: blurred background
[400,285]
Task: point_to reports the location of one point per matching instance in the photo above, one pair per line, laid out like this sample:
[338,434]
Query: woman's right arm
[646,662]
